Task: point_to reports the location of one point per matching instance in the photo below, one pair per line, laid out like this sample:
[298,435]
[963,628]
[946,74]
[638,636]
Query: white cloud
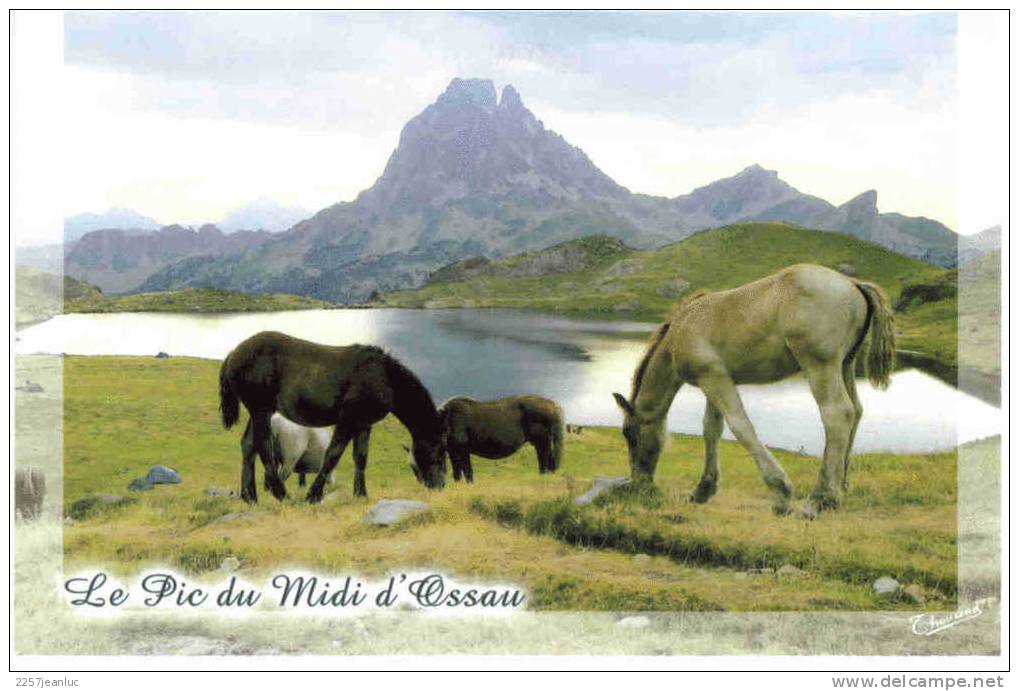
[200,113]
[833,149]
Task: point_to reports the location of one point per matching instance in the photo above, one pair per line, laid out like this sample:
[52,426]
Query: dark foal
[497,429]
[349,387]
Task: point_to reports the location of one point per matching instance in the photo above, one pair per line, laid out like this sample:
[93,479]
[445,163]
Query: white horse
[803,318]
[295,447]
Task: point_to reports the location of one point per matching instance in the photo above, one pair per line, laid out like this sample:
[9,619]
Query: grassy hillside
[644,285]
[639,284]
[955,315]
[194,300]
[645,550]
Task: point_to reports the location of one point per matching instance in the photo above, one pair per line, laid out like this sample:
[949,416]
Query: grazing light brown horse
[803,318]
[497,429]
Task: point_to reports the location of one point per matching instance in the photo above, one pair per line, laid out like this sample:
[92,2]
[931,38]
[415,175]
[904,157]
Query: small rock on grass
[390,511]
[214,491]
[886,586]
[641,559]
[140,484]
[637,622]
[161,475]
[600,486]
[230,564]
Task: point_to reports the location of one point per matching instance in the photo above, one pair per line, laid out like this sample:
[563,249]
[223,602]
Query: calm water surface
[577,362]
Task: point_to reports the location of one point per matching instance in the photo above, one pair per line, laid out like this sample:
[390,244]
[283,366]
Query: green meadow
[195,300]
[643,548]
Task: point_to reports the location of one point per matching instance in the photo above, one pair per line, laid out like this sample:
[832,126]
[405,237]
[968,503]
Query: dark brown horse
[496,429]
[349,387]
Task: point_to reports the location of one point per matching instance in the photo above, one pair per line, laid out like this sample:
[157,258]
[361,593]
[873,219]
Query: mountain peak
[510,98]
[865,200]
[476,92]
[757,171]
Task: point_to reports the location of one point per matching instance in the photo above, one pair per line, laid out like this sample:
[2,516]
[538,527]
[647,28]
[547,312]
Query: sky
[186,116]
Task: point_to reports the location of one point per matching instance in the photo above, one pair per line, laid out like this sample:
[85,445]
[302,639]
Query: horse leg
[838,415]
[341,438]
[460,459]
[544,452]
[262,436]
[721,392]
[360,461]
[849,379]
[302,479]
[248,491]
[708,484]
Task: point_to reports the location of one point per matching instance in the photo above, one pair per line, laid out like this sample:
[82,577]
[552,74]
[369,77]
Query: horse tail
[228,403]
[881,323]
[556,435]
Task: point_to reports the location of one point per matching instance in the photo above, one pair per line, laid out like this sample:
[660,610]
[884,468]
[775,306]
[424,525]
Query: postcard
[658,336]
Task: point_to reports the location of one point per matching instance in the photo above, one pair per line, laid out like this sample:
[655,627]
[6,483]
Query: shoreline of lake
[982,384]
[487,354]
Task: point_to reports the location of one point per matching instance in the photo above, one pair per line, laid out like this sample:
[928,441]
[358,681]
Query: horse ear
[624,404]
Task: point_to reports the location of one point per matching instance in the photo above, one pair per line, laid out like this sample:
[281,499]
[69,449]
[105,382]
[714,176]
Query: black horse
[351,387]
[497,429]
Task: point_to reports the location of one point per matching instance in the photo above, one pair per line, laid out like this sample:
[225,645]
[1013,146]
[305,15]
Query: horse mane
[687,299]
[414,398]
[656,339]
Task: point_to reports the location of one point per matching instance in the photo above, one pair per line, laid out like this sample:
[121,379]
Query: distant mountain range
[263,215]
[78,225]
[477,174]
[121,260]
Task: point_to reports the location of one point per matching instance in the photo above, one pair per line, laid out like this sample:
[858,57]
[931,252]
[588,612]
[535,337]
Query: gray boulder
[390,511]
[213,491]
[600,486]
[886,586]
[161,475]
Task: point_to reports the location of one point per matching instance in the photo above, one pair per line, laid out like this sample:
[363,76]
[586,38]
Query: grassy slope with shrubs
[637,284]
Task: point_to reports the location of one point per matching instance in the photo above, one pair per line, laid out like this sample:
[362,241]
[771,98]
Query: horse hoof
[809,511]
[782,509]
[701,494]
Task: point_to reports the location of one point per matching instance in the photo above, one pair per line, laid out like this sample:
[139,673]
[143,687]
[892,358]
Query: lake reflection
[493,353]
